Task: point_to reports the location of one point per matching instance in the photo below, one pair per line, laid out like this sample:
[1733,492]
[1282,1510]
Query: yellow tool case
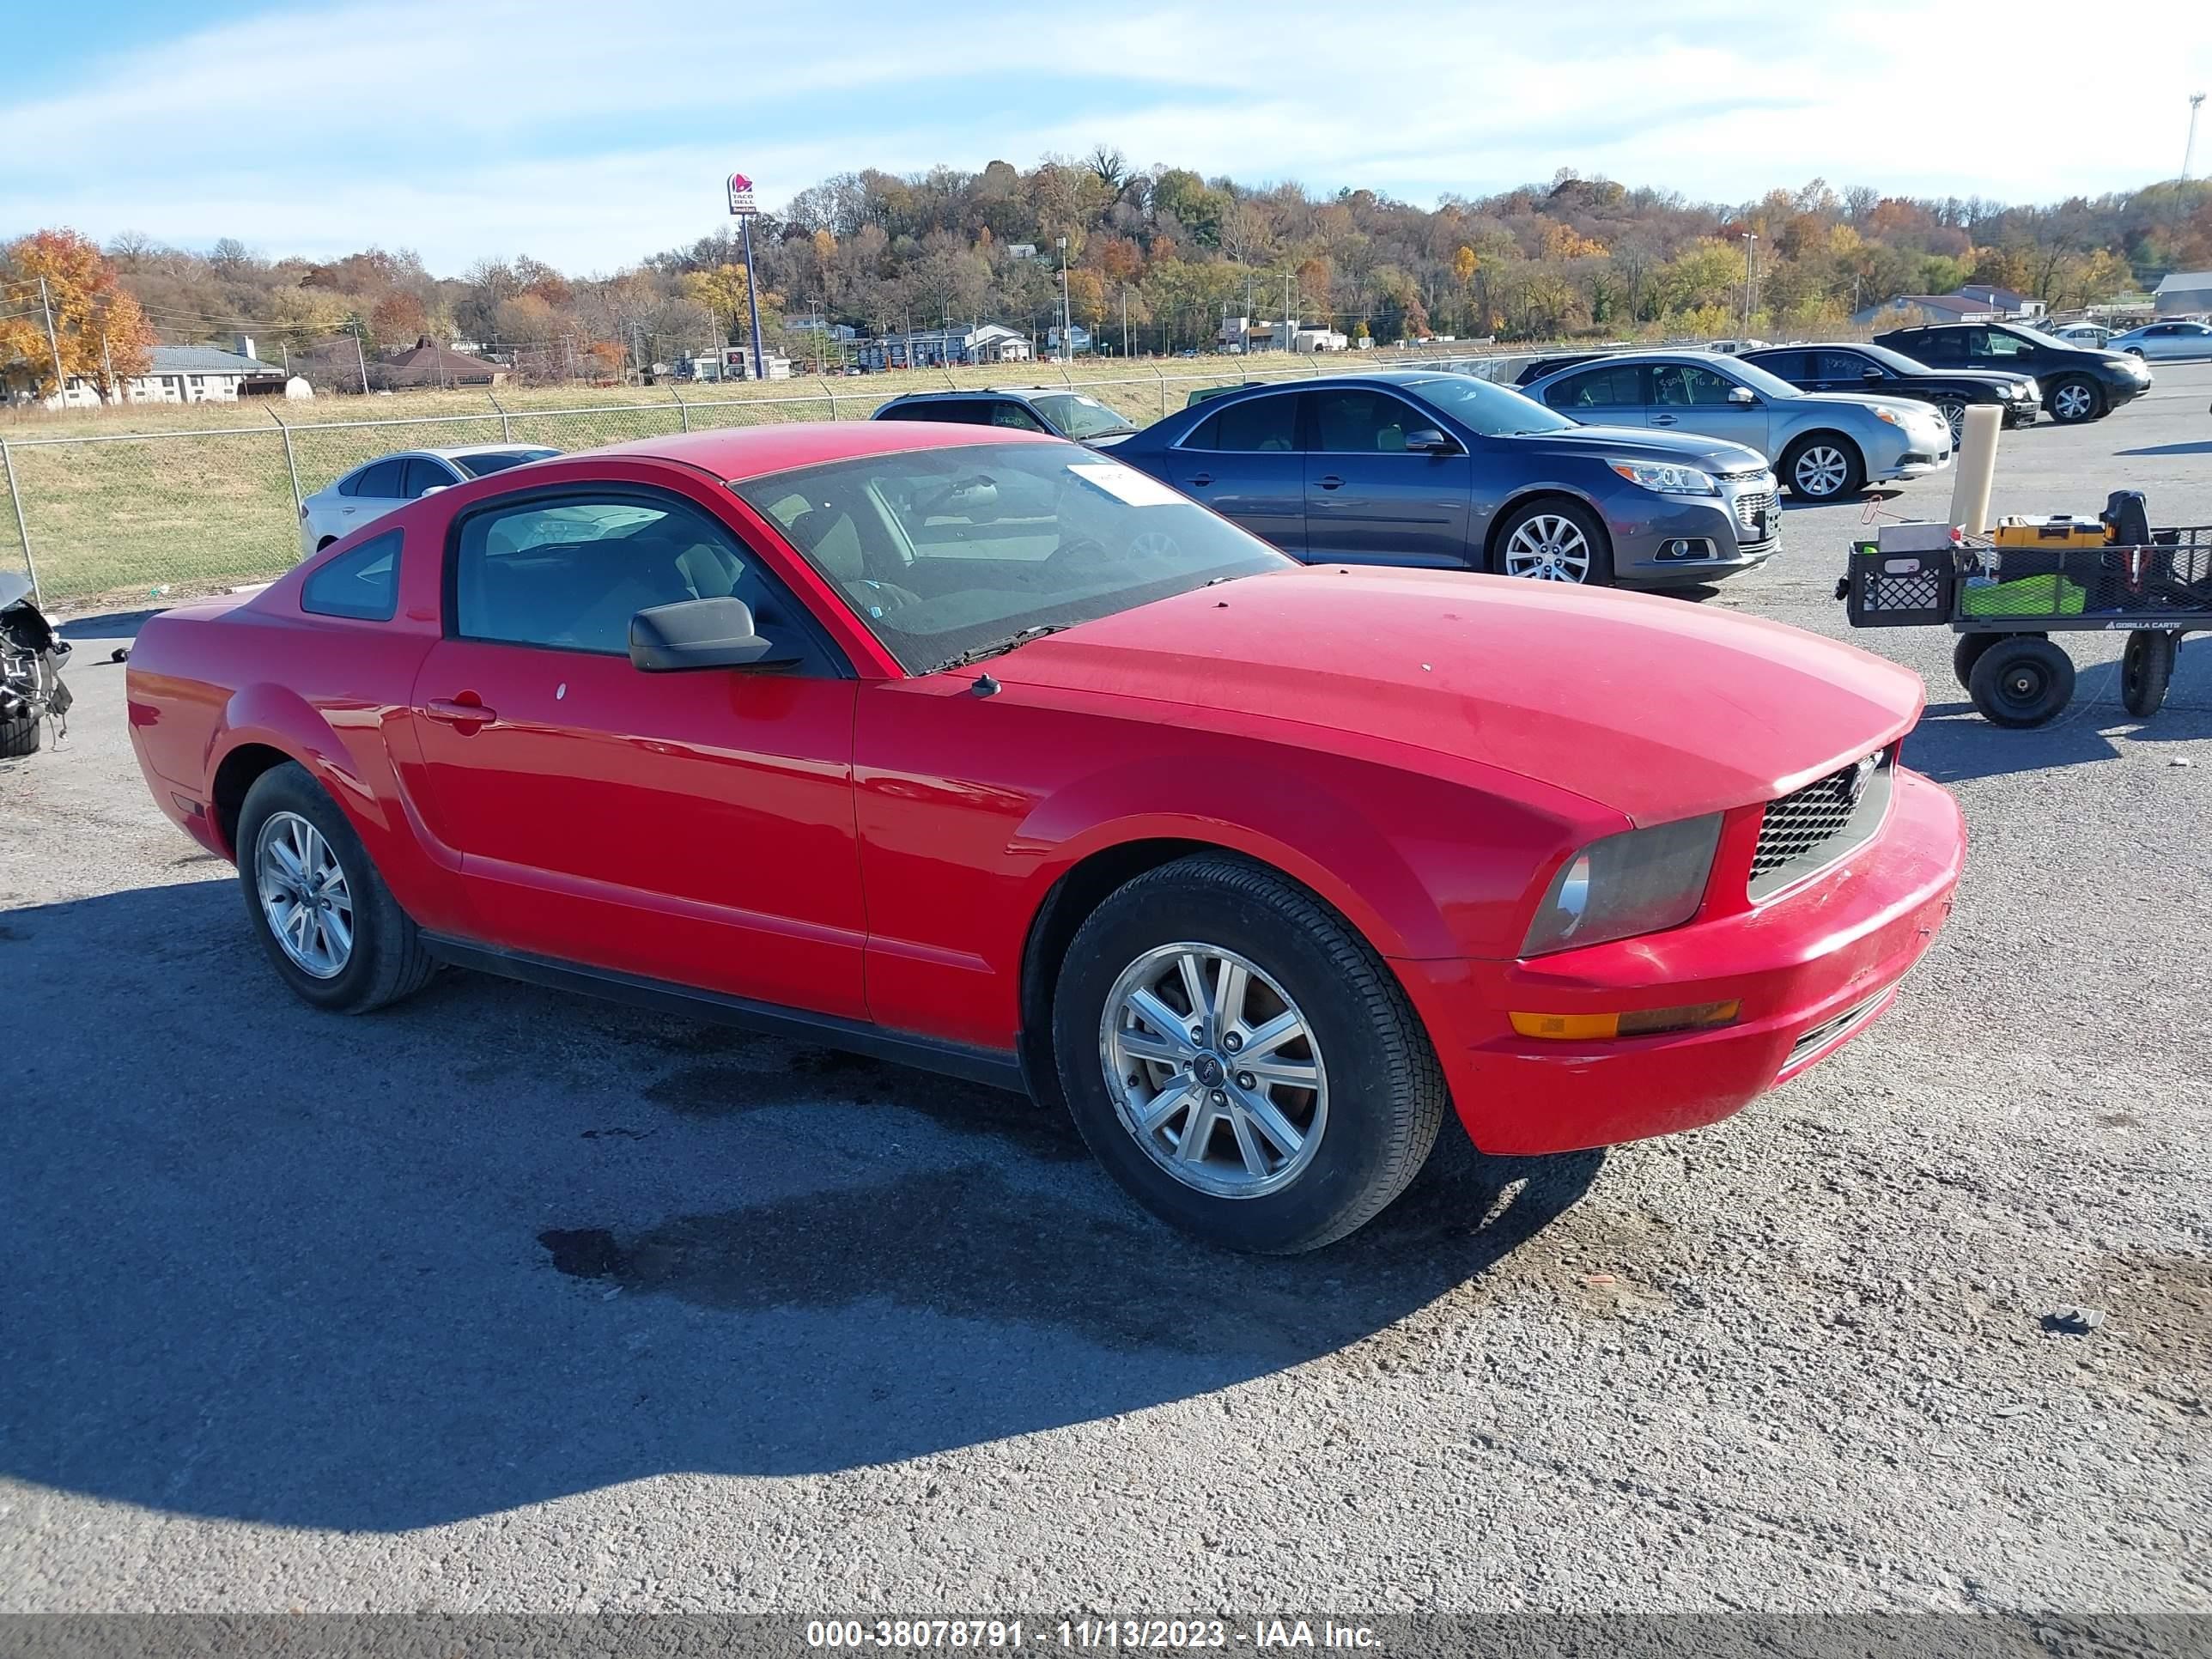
[2050,529]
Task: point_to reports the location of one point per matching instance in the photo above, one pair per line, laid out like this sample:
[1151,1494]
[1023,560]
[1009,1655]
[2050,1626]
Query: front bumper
[1737,531]
[1812,968]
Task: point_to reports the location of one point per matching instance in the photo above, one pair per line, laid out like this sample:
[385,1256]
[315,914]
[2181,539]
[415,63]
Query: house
[2181,292]
[1078,339]
[2005,301]
[427,364]
[933,348]
[189,374]
[815,323]
[1248,334]
[1909,310]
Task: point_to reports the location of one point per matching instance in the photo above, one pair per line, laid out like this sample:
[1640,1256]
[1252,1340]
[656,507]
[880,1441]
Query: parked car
[2080,383]
[974,750]
[1735,347]
[2079,334]
[1847,367]
[1445,471]
[1203,393]
[1027,409]
[2164,340]
[390,481]
[1824,444]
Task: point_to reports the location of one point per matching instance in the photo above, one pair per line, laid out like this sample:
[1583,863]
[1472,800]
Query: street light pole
[1750,250]
[2188,149]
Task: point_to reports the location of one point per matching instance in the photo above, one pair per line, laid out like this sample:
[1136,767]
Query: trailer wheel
[2021,681]
[1969,649]
[2146,669]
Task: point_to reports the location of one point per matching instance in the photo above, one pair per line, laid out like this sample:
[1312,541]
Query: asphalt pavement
[504,1300]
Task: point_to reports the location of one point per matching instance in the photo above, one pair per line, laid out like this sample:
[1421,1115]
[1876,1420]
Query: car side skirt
[997,1068]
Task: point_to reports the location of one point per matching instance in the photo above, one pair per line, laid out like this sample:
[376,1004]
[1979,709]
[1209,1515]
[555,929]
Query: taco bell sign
[741,194]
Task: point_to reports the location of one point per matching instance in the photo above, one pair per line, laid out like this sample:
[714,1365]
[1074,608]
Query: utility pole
[1125,320]
[1287,331]
[2188,149]
[360,361]
[1066,342]
[107,362]
[61,384]
[1750,249]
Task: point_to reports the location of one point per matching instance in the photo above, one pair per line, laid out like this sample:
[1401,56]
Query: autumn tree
[99,330]
[398,318]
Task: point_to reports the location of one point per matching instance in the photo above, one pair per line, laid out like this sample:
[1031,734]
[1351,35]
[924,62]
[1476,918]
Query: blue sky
[591,134]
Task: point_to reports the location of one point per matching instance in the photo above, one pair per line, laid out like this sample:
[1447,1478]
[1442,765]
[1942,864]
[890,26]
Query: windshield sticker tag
[1126,483]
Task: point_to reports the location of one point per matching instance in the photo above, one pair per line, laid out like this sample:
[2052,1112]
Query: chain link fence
[118,518]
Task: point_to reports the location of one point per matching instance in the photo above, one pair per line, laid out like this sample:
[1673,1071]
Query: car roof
[734,455]
[452,451]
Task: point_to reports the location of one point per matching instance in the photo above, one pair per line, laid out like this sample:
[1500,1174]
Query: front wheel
[19,735]
[2074,400]
[2021,681]
[1953,412]
[1824,468]
[1554,541]
[1969,651]
[1240,1060]
[2146,671]
[324,916]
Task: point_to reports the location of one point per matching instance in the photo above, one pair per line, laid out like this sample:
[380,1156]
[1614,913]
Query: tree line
[1155,259]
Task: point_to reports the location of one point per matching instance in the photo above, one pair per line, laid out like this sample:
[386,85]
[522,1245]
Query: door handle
[1201,480]
[1664,420]
[1331,482]
[465,711]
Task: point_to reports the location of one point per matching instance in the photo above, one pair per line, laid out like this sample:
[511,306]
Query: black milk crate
[1901,590]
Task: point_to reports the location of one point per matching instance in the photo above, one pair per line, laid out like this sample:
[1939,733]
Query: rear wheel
[2073,400]
[1554,541]
[1969,649]
[2147,669]
[324,916]
[1240,1060]
[2021,681]
[1824,467]
[19,735]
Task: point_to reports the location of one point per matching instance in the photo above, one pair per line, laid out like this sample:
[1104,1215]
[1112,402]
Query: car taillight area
[1810,828]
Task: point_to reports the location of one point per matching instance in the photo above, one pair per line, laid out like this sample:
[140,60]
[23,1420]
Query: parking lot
[500,1300]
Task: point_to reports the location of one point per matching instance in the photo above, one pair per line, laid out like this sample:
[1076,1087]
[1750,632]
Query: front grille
[1751,505]
[1835,1029]
[1811,827]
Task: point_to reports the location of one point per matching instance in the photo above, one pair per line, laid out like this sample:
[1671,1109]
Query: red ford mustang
[976,750]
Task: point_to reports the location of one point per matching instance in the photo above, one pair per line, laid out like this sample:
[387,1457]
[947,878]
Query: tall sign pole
[742,205]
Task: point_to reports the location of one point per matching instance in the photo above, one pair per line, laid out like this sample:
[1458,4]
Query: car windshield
[947,553]
[1077,416]
[1763,381]
[1495,412]
[478,466]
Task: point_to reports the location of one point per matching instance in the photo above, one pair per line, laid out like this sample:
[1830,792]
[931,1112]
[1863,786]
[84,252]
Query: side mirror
[432,489]
[1428,439]
[1870,373]
[1742,394]
[701,634]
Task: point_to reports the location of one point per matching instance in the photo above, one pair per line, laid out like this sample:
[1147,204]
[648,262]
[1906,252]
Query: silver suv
[1824,444]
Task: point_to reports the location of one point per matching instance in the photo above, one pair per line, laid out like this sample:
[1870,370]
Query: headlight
[1667,478]
[1889,415]
[1635,882]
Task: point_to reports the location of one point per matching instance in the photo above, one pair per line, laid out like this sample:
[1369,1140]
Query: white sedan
[2164,340]
[374,489]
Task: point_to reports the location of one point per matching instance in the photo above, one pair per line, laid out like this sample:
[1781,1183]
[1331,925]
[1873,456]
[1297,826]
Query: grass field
[150,501]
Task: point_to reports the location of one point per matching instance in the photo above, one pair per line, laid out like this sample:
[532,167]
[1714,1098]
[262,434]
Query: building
[933,348]
[1078,339]
[2005,301]
[1911,310]
[189,374]
[1319,338]
[2181,292]
[427,364]
[815,323]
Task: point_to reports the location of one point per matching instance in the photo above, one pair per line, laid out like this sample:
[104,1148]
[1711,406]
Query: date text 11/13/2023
[1085,1634]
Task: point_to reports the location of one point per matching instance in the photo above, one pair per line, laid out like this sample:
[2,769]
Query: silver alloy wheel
[304,894]
[1822,469]
[1548,548]
[2073,401]
[1954,415]
[1213,1070]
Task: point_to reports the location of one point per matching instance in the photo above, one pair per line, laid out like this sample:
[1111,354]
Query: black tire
[2021,681]
[386,961]
[1853,475]
[2146,671]
[1969,649]
[19,735]
[1953,412]
[327,541]
[1599,571]
[1386,1094]
[2061,402]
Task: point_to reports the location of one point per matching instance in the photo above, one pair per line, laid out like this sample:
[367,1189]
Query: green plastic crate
[2028,596]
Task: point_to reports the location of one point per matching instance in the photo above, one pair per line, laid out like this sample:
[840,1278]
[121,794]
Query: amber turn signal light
[1641,1022]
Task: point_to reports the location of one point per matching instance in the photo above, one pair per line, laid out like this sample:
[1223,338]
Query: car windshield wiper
[977,654]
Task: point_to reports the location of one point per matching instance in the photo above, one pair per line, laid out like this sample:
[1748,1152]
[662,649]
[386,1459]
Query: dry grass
[165,502]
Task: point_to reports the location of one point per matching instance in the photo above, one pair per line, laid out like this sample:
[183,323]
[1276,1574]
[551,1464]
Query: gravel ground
[278,1328]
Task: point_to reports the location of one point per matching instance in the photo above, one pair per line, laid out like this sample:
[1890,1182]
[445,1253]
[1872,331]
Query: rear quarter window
[364,584]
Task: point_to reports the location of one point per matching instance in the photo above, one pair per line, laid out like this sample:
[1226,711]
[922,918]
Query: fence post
[1162,380]
[1064,380]
[505,426]
[22,530]
[291,464]
[831,392]
[682,413]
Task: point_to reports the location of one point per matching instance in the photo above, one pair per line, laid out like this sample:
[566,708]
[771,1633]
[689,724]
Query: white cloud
[449,128]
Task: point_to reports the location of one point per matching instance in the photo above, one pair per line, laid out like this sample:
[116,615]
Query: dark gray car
[1445,471]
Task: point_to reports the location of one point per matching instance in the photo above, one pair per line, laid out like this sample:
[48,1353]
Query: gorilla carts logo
[741,194]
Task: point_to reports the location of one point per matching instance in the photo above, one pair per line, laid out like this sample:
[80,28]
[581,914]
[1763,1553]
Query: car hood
[1996,377]
[1641,443]
[1653,707]
[1912,406]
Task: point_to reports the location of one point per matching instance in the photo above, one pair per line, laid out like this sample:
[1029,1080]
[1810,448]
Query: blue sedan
[1445,471]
